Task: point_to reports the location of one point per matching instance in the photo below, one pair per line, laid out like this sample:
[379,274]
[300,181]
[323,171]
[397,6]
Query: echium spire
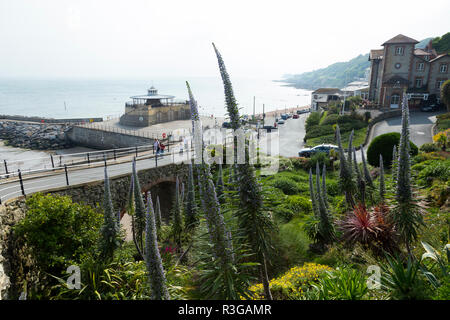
[153,257]
[367,175]
[313,195]
[382,186]
[324,185]
[158,214]
[359,180]
[177,227]
[345,176]
[350,149]
[394,163]
[232,106]
[404,193]
[191,207]
[197,130]
[109,240]
[139,211]
[219,184]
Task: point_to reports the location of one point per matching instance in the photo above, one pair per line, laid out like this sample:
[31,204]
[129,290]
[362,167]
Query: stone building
[322,96]
[402,67]
[153,108]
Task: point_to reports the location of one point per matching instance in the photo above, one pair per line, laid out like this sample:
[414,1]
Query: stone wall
[98,139]
[38,136]
[92,194]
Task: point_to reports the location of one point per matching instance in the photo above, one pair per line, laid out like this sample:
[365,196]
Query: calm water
[105,98]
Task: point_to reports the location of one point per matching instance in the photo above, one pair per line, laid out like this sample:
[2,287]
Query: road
[420,127]
[9,190]
[289,139]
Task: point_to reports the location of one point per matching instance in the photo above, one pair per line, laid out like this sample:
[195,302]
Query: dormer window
[399,51]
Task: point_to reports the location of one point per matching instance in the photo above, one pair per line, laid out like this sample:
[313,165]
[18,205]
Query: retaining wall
[98,139]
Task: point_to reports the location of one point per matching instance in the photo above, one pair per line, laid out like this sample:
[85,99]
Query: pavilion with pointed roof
[153,108]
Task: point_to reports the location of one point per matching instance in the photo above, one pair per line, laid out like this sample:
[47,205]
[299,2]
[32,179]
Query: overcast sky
[148,38]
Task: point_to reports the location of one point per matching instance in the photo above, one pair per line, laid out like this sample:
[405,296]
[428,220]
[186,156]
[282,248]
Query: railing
[62,173]
[164,104]
[137,133]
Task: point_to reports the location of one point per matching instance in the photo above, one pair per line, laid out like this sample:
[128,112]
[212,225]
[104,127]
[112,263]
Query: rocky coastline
[35,136]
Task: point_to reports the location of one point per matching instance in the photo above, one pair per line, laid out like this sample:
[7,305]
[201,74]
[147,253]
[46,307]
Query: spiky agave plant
[254,223]
[406,215]
[153,257]
[326,226]
[110,230]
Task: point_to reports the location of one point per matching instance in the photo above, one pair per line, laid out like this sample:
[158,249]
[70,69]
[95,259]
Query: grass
[358,139]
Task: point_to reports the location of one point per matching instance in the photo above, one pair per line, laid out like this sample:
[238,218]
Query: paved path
[9,190]
[420,129]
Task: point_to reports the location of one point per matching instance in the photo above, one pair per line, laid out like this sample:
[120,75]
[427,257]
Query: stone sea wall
[37,136]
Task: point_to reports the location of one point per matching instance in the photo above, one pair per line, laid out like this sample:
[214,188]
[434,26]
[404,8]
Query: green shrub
[286,185]
[435,169]
[298,205]
[429,147]
[333,188]
[312,120]
[443,121]
[318,131]
[58,231]
[340,284]
[384,144]
[421,157]
[283,213]
[330,119]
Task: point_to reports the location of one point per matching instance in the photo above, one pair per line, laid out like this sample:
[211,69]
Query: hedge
[384,145]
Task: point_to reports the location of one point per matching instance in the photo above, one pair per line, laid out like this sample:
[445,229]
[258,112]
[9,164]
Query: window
[395,99]
[420,66]
[443,68]
[399,51]
[427,58]
[418,82]
[439,83]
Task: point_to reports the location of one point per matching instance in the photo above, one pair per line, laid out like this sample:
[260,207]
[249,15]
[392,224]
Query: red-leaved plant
[370,228]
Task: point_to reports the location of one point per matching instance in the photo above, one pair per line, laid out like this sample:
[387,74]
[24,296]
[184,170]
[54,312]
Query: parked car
[269,128]
[281,121]
[429,107]
[307,152]
[295,116]
[226,125]
[284,116]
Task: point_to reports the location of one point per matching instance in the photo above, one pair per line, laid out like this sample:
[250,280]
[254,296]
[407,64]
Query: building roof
[400,39]
[152,94]
[376,54]
[420,52]
[327,90]
[440,56]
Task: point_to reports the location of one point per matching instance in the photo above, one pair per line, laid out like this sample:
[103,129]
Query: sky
[142,38]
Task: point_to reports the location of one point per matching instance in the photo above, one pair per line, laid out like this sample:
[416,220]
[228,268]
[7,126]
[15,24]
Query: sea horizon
[54,97]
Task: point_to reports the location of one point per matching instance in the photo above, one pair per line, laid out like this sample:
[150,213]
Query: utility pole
[264,115]
[253,108]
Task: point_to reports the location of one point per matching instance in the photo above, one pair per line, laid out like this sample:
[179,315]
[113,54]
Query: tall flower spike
[345,176]
[324,185]
[177,227]
[404,193]
[313,195]
[158,214]
[359,180]
[139,212]
[109,240]
[230,100]
[197,130]
[191,206]
[219,185]
[367,175]
[382,186]
[153,257]
[350,149]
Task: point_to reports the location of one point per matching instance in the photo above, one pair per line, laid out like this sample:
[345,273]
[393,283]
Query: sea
[81,98]
[87,98]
